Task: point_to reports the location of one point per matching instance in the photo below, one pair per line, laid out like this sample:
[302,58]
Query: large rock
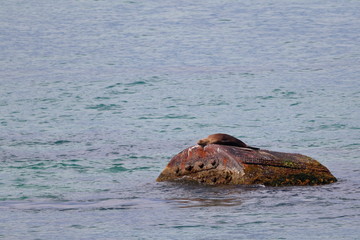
[222,164]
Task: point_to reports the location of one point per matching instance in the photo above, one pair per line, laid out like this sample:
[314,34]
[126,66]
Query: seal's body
[223,139]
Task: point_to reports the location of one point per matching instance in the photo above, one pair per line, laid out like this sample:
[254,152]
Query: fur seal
[223,139]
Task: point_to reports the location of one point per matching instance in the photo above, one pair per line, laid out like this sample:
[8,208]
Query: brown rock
[221,164]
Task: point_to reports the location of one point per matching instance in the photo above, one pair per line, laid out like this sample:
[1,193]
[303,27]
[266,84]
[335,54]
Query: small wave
[117,168]
[136,83]
[104,107]
[174,116]
[114,85]
[59,142]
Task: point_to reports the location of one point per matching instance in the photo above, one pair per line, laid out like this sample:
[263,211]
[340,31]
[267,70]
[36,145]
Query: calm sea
[97,96]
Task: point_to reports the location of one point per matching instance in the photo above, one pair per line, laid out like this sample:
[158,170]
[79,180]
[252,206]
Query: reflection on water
[106,204]
[192,194]
[206,202]
[121,204]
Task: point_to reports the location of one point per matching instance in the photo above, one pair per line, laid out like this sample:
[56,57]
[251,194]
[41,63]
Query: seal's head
[203,142]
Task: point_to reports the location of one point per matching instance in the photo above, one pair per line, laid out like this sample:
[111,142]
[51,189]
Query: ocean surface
[97,96]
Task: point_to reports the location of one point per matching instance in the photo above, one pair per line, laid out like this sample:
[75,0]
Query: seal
[223,139]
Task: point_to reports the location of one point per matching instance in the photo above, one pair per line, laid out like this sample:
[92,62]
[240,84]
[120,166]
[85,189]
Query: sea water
[97,96]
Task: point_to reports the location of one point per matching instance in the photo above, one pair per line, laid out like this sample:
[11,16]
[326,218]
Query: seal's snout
[202,142]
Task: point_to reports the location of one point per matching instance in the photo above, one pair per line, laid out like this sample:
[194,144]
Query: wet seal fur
[224,139]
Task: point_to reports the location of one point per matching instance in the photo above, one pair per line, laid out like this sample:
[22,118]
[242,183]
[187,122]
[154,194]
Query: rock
[222,164]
